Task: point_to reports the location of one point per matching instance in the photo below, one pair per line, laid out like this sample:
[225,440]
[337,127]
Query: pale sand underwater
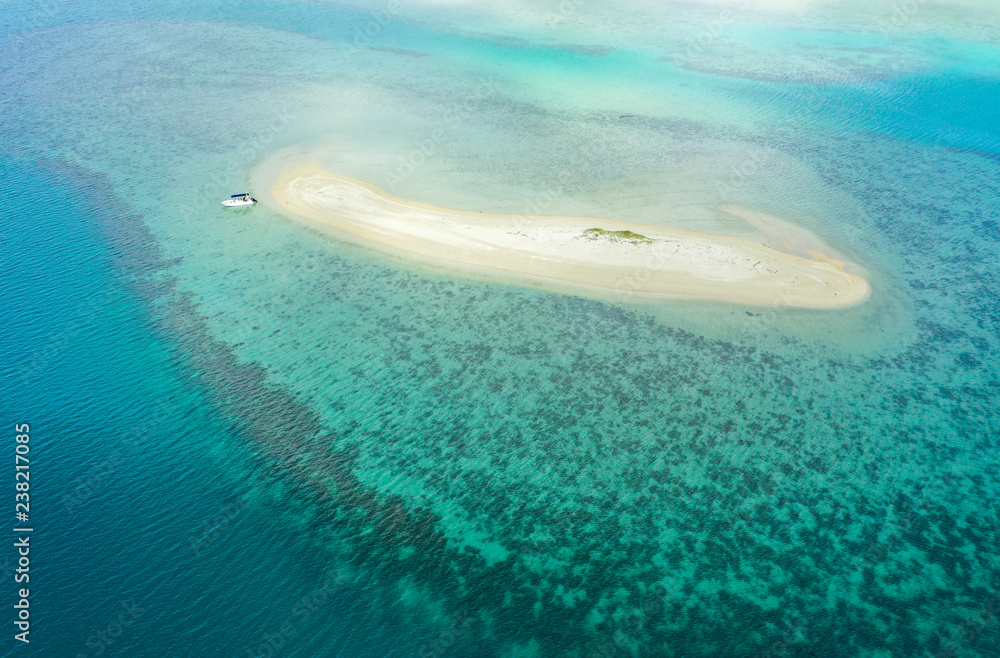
[639,259]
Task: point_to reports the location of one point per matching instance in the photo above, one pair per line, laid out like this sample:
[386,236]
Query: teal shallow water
[478,468]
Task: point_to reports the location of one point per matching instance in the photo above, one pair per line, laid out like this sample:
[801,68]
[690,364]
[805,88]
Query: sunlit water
[274,441]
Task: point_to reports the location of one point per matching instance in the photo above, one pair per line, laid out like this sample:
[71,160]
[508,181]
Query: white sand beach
[633,260]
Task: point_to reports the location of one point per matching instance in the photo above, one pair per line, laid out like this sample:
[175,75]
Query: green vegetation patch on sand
[617,236]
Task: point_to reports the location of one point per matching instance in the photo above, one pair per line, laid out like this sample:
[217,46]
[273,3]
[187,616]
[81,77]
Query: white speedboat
[238,200]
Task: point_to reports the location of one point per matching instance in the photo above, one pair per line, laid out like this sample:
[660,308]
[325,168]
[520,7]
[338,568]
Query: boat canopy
[240,196]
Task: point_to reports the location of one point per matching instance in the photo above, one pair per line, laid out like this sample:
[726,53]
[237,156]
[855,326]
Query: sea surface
[253,438]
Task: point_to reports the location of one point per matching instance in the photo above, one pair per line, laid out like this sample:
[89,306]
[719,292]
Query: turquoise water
[273,441]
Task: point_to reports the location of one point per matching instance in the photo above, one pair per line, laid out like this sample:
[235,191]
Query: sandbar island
[635,260]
